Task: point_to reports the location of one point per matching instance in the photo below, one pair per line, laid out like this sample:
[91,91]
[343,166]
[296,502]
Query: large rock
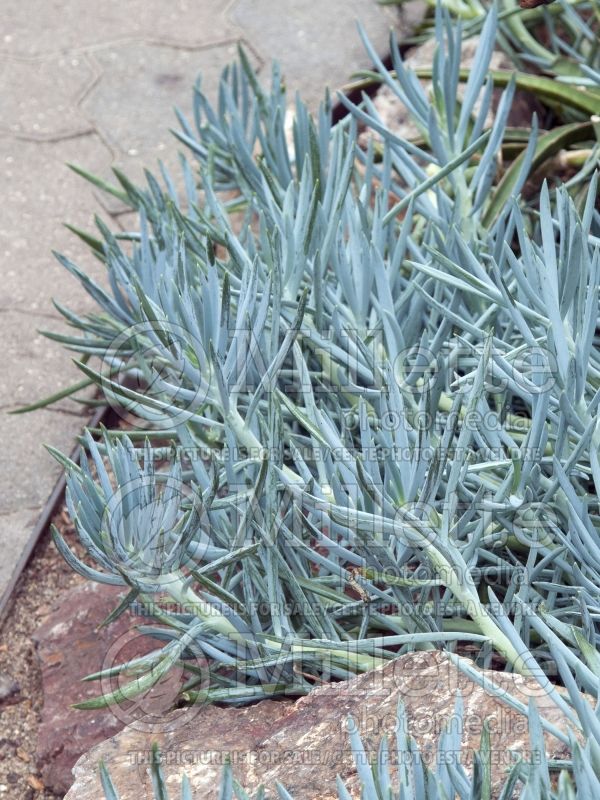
[303,744]
[70,646]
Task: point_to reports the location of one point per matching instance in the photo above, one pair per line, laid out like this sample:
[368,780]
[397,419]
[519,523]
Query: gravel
[42,582]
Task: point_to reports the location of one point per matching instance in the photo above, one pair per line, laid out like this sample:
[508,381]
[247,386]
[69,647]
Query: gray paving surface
[95,84]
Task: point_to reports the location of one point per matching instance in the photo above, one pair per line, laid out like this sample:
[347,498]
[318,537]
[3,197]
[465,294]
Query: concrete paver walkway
[95,84]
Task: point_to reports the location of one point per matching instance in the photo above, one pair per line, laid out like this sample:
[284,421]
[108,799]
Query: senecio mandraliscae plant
[365,385]
[560,38]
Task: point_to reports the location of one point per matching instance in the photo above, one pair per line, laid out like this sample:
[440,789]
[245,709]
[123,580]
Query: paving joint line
[98,72]
[118,42]
[43,138]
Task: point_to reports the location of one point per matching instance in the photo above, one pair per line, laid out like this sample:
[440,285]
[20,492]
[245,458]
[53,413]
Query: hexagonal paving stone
[132,105]
[49,26]
[15,529]
[39,366]
[28,474]
[40,97]
[317,44]
[39,195]
[28,471]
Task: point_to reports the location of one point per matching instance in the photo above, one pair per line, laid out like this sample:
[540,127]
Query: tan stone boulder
[304,744]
